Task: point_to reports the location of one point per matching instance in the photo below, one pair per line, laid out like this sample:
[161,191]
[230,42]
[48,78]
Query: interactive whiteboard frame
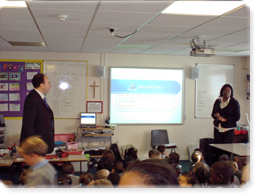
[159,68]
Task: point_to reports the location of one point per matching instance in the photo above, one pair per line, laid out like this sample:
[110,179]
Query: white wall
[139,135]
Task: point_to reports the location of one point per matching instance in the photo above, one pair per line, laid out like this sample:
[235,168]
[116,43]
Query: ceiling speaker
[100,71]
[195,73]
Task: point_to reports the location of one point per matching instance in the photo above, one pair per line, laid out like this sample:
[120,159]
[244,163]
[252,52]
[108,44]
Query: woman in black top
[226,112]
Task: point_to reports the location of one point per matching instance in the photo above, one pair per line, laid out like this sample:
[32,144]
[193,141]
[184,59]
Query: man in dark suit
[38,118]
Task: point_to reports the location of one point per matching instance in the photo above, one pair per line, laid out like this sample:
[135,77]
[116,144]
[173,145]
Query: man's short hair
[33,145]
[37,80]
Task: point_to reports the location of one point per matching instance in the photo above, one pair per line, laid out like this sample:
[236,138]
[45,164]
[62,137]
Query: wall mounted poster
[15,84]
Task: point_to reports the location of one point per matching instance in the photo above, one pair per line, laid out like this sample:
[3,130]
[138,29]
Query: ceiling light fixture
[39,44]
[202,7]
[62,17]
[12,4]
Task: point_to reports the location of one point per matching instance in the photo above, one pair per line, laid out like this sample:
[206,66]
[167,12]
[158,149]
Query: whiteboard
[211,78]
[69,102]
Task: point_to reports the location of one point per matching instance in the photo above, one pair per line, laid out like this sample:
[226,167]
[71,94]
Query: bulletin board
[15,83]
[67,96]
[211,78]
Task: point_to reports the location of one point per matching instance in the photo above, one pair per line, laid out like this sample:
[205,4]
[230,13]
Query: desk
[240,149]
[70,158]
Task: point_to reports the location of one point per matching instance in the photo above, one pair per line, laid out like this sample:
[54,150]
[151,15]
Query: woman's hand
[222,119]
[217,115]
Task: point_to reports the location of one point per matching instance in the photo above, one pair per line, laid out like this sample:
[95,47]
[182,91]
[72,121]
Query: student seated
[109,154]
[154,154]
[42,173]
[187,180]
[223,157]
[202,175]
[162,150]
[101,183]
[64,180]
[102,174]
[67,168]
[149,173]
[118,167]
[197,157]
[85,179]
[234,165]
[221,174]
[176,157]
[114,178]
[104,163]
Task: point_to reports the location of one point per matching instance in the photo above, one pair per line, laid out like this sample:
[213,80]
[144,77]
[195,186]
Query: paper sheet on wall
[14,107]
[4,107]
[3,86]
[14,97]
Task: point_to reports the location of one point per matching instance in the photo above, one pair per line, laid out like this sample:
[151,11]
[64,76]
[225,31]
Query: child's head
[114,178]
[65,180]
[109,154]
[196,156]
[67,168]
[154,154]
[104,163]
[223,157]
[101,183]
[161,149]
[86,178]
[33,149]
[118,166]
[202,175]
[221,173]
[102,174]
[148,173]
[187,179]
[174,156]
[234,165]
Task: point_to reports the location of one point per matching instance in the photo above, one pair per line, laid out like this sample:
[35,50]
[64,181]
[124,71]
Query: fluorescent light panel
[12,4]
[202,7]
[39,44]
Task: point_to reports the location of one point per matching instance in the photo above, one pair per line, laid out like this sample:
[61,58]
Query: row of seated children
[145,173]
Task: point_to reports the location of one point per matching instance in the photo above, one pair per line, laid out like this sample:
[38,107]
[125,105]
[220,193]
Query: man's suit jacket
[38,119]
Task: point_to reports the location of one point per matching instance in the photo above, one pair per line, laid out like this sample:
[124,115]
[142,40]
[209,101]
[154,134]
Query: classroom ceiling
[86,28]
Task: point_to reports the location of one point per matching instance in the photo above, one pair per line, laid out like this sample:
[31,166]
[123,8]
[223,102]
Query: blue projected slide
[146,96]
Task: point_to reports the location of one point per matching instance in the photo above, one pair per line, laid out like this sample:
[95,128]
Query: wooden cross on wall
[94,88]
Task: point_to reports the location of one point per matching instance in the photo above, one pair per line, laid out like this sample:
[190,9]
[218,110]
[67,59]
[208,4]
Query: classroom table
[240,149]
[71,158]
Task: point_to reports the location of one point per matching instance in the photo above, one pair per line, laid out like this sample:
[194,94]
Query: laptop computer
[88,120]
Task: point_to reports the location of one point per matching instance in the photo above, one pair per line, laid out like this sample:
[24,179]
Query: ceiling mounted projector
[201,50]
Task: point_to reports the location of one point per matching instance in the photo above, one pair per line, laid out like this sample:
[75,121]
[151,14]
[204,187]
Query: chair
[160,137]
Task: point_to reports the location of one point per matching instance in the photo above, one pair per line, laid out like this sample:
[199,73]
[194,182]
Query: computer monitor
[88,119]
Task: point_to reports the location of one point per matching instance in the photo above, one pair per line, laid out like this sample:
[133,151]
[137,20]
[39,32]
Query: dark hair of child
[67,168]
[223,157]
[104,163]
[202,175]
[109,154]
[86,178]
[191,178]
[154,152]
[161,148]
[114,178]
[196,156]
[64,180]
[175,156]
[154,172]
[118,166]
[223,171]
[101,183]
